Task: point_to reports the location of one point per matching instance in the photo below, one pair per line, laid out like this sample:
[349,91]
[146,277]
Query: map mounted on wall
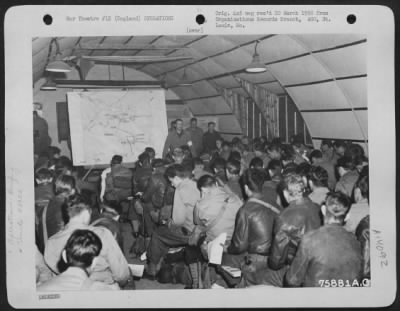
[113,122]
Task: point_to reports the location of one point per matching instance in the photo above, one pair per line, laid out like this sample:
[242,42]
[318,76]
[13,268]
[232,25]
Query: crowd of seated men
[293,216]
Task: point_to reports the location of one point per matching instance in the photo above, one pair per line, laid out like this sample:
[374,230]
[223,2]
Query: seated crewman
[270,187]
[330,253]
[259,152]
[153,196]
[340,148]
[318,182]
[109,218]
[44,185]
[363,236]
[327,150]
[218,167]
[257,164]
[287,155]
[251,241]
[348,175]
[177,231]
[111,190]
[360,208]
[274,151]
[317,159]
[226,150]
[110,268]
[232,174]
[64,187]
[151,152]
[199,169]
[299,217]
[215,212]
[303,169]
[80,253]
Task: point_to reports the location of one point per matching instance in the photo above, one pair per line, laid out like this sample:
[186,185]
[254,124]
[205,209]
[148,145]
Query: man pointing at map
[176,138]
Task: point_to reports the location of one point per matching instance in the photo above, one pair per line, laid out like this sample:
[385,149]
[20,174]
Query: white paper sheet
[215,249]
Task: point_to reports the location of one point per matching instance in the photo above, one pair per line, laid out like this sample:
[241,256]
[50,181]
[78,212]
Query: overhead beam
[100,42]
[217,54]
[213,114]
[124,47]
[335,110]
[341,139]
[243,70]
[135,59]
[85,84]
[184,45]
[325,81]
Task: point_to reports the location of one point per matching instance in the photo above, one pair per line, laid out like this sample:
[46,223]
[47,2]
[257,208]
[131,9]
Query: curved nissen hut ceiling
[324,74]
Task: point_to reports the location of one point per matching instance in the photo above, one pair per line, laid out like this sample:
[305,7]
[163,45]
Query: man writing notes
[176,138]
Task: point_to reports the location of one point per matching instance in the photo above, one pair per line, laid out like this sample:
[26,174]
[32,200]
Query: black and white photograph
[200,162]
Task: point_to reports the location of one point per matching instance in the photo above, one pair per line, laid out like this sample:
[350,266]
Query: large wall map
[109,122]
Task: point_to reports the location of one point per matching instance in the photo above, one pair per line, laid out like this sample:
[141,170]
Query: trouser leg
[193,258]
[149,225]
[162,239]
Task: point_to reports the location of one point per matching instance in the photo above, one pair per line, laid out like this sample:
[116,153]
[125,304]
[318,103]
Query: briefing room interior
[200,162]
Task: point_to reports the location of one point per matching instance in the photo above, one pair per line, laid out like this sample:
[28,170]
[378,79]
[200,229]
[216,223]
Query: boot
[151,270]
[194,272]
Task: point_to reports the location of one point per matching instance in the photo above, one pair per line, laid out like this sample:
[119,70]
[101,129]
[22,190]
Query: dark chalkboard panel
[62,121]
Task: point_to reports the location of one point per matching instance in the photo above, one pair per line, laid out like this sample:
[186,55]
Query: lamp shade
[49,86]
[185,81]
[58,66]
[256,66]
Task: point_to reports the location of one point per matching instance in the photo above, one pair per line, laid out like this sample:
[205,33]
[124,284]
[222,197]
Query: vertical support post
[286,120]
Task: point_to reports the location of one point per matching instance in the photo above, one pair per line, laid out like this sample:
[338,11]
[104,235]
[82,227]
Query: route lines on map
[105,123]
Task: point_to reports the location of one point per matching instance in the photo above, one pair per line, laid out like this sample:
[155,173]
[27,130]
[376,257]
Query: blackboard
[62,121]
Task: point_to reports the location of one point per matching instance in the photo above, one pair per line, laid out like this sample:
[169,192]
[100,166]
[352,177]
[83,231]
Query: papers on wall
[106,123]
[215,248]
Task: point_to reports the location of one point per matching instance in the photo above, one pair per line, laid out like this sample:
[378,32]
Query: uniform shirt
[43,272]
[196,135]
[112,265]
[330,169]
[175,140]
[318,195]
[357,212]
[234,186]
[74,279]
[185,198]
[346,183]
[328,253]
[209,207]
